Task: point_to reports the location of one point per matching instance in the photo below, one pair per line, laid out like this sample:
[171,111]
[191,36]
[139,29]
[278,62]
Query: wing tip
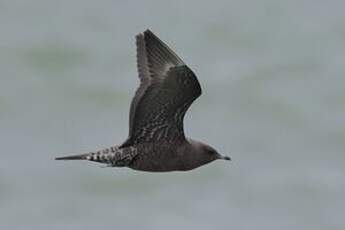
[146,32]
[143,36]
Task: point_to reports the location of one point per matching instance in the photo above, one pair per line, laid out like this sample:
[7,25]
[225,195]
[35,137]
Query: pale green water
[273,78]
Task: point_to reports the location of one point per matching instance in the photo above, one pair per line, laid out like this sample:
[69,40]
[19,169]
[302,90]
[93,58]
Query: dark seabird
[156,140]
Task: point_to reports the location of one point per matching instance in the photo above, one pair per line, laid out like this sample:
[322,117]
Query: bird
[156,140]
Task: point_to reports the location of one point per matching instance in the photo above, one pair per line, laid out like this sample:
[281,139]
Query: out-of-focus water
[273,79]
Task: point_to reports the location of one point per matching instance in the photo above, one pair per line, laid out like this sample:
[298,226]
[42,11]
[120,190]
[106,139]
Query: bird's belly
[159,163]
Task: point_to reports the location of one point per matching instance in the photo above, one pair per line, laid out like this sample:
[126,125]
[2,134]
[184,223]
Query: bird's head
[206,152]
[212,153]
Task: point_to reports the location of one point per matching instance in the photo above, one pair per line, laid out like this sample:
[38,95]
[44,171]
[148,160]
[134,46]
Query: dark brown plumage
[156,140]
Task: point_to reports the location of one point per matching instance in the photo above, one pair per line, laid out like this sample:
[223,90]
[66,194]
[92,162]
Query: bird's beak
[225,158]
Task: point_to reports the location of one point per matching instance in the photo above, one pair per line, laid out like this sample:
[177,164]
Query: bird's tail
[85,156]
[102,156]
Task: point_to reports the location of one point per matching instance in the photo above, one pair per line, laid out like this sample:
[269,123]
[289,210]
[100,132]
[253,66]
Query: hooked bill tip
[226,158]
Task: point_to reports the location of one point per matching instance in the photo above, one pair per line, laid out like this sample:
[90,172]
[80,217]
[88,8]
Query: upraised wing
[167,89]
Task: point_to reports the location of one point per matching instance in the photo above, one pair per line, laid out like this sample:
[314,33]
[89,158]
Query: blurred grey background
[273,79]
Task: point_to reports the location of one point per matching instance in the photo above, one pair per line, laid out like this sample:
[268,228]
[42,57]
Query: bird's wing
[167,89]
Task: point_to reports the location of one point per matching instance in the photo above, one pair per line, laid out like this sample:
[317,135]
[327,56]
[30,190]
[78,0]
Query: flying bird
[156,141]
